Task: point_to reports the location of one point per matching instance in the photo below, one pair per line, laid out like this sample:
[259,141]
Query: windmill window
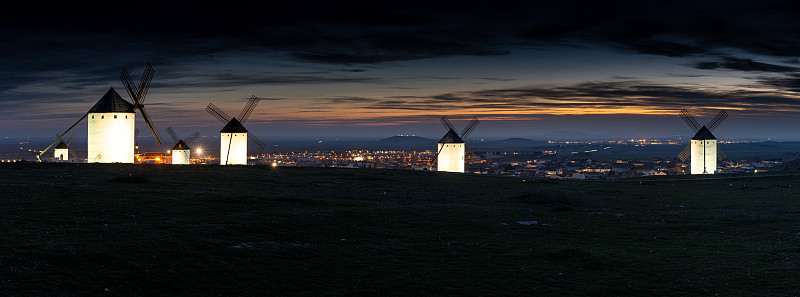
[102,117]
[115,116]
[92,117]
[126,116]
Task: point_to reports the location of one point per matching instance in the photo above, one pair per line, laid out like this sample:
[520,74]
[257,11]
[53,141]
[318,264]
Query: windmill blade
[684,155]
[228,155]
[257,141]
[218,113]
[150,125]
[470,127]
[70,139]
[248,109]
[144,84]
[59,137]
[717,120]
[436,157]
[135,132]
[447,124]
[721,155]
[689,119]
[128,83]
[191,138]
[172,134]
[469,154]
[74,155]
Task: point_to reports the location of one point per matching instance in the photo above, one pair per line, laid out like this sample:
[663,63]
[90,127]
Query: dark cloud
[229,80]
[790,82]
[362,32]
[350,100]
[731,63]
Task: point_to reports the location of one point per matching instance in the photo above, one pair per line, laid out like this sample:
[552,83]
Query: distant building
[154,158]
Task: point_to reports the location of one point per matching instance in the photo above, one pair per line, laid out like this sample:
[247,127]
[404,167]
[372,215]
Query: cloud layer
[69,54]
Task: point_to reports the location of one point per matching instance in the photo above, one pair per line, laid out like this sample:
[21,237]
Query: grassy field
[138,230]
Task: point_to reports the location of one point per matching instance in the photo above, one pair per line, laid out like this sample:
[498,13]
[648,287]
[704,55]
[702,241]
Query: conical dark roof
[62,145]
[234,126]
[112,102]
[703,134]
[180,146]
[451,137]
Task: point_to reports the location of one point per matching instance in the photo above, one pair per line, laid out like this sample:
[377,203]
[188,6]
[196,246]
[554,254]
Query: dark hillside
[137,230]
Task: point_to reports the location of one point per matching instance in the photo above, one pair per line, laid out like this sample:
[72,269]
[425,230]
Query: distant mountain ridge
[405,139]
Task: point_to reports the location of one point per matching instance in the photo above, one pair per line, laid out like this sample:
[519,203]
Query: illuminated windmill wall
[451,150]
[233,137]
[111,125]
[703,147]
[181,152]
[62,150]
[451,153]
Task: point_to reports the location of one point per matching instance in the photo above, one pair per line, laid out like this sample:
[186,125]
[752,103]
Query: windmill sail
[139,93]
[689,119]
[717,120]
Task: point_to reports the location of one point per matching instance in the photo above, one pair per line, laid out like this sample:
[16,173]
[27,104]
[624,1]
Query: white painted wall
[180,157]
[237,142]
[451,157]
[704,156]
[110,138]
[61,154]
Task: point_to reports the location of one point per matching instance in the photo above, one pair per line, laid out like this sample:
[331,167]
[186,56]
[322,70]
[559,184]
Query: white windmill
[62,151]
[233,137]
[703,148]
[181,152]
[452,151]
[111,122]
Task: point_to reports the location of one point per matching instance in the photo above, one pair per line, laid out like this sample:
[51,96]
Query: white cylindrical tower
[451,150]
[61,152]
[704,152]
[180,153]
[233,144]
[111,130]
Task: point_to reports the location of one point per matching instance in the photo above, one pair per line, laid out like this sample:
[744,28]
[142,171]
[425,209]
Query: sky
[375,69]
